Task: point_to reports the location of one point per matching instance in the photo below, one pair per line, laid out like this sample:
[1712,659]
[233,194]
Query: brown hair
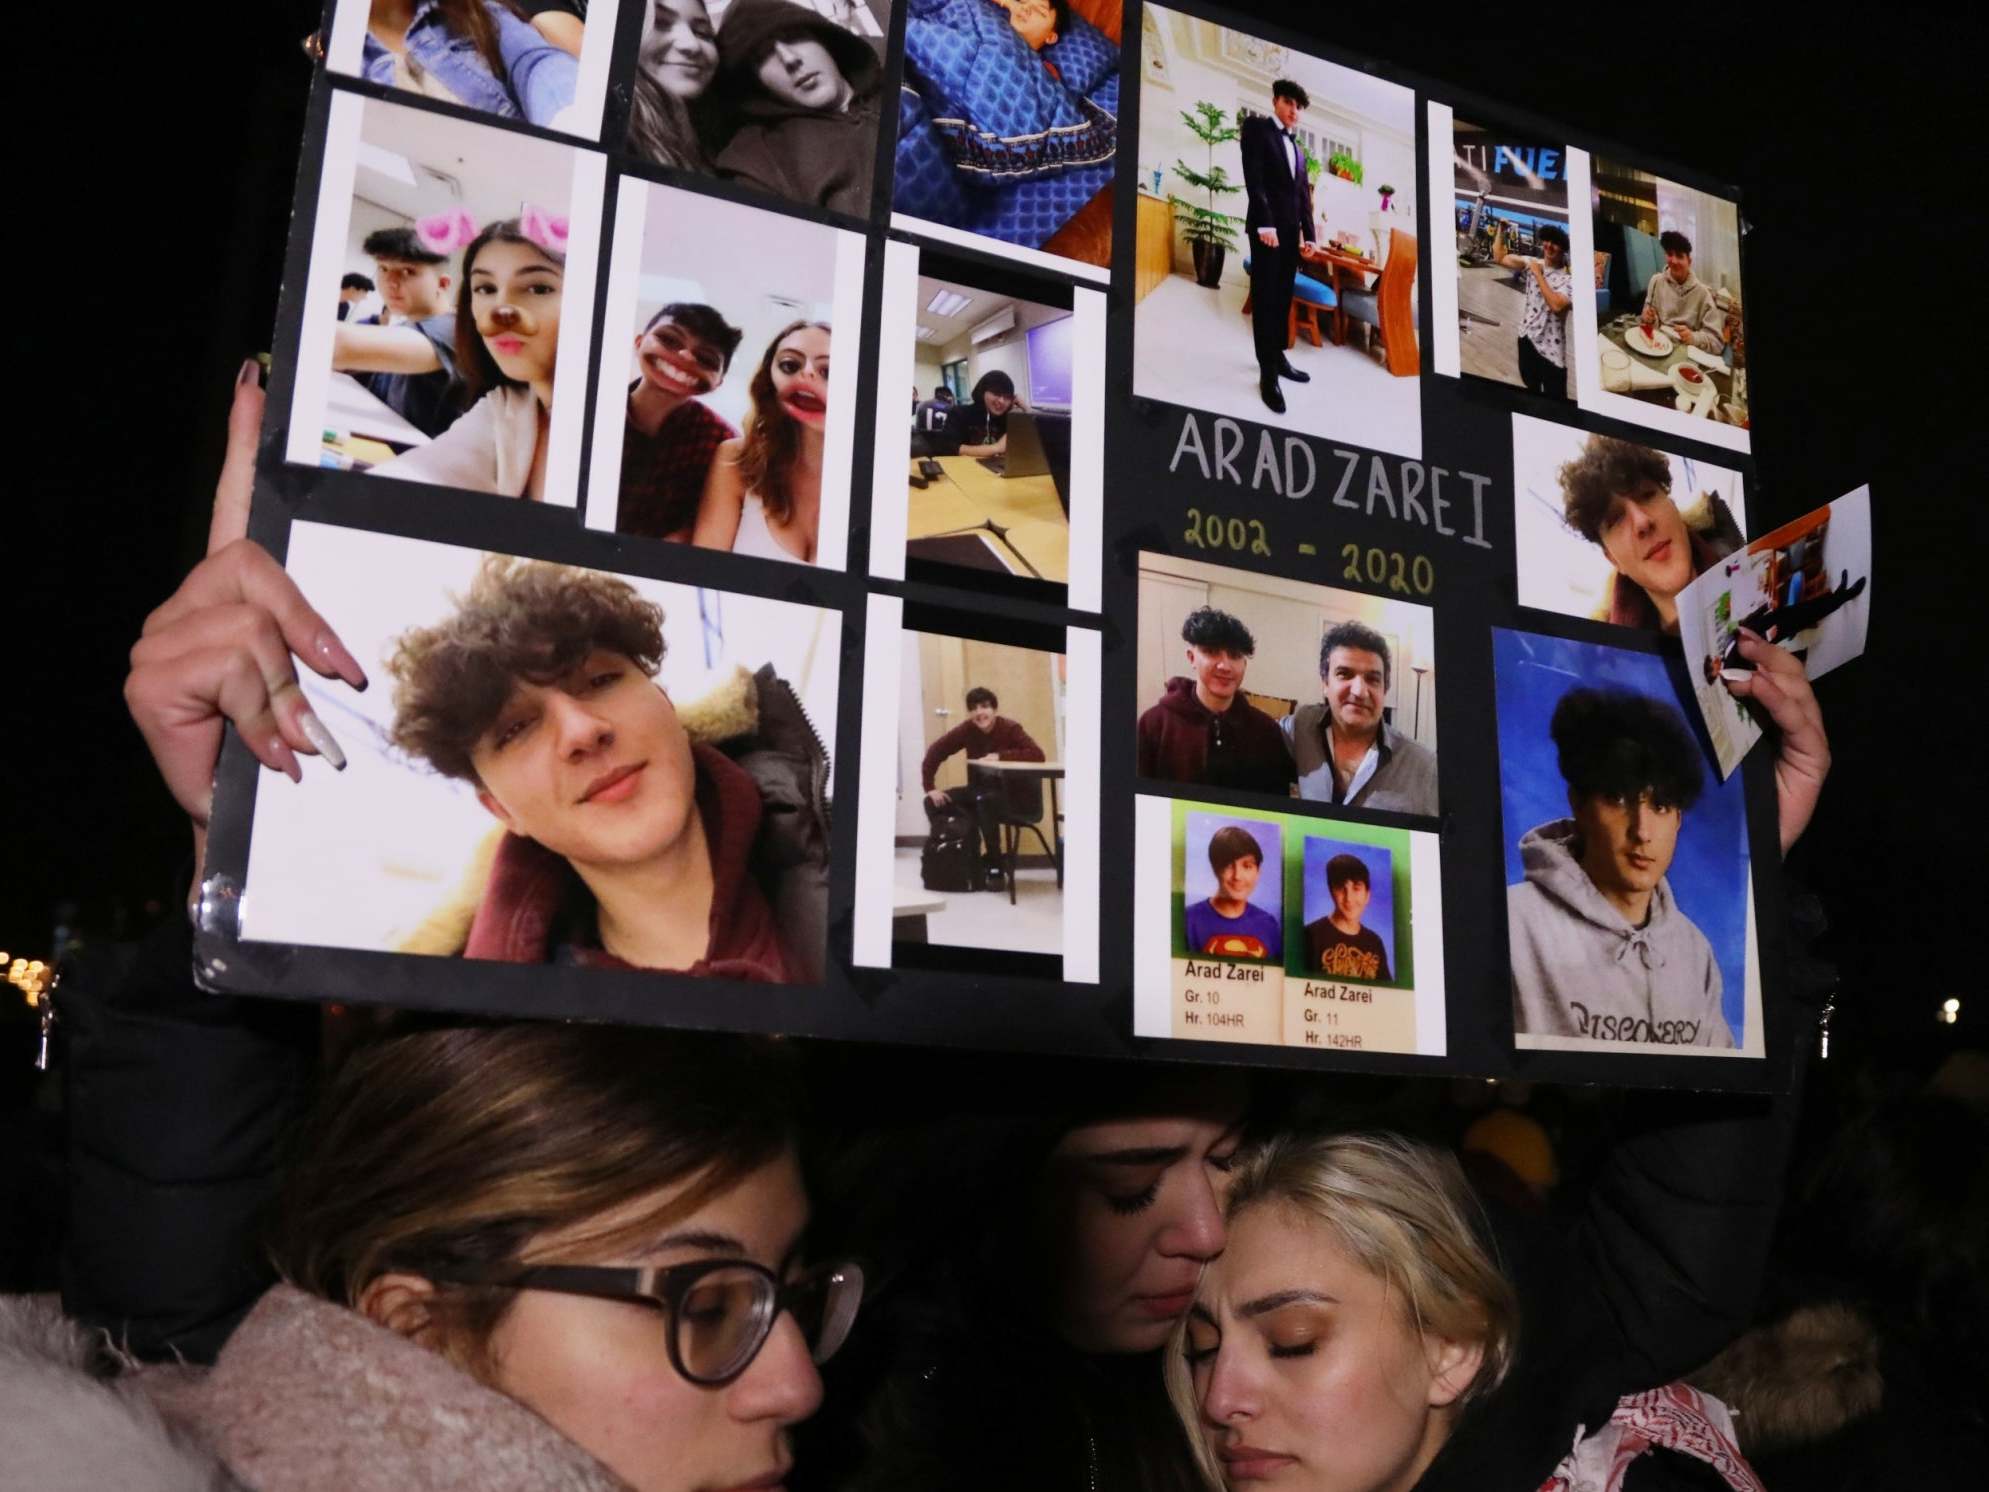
[772,437]
[1606,469]
[521,620]
[1401,1209]
[472,20]
[475,366]
[458,1147]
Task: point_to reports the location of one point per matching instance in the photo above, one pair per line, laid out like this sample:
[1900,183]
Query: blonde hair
[1404,1211]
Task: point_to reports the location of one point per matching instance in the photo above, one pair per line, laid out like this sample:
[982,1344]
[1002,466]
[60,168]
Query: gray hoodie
[1580,969]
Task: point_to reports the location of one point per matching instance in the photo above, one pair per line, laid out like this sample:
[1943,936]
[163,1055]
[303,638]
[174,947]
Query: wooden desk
[968,494]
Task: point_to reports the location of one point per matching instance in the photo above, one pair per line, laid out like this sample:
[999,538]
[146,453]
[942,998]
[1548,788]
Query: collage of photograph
[718,184]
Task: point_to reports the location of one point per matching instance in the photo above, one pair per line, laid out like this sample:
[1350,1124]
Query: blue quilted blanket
[989,140]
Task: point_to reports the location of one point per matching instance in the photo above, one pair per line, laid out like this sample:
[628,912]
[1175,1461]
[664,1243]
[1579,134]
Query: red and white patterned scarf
[1675,1417]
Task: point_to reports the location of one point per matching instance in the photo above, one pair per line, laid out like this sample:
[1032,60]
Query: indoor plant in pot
[1209,230]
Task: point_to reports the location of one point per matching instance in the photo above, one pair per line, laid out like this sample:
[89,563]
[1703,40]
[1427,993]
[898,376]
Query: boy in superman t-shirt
[1229,923]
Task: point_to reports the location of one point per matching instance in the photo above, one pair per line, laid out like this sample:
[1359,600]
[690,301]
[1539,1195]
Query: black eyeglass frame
[663,1287]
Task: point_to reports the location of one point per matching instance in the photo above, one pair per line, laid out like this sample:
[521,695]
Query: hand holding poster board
[1175,499]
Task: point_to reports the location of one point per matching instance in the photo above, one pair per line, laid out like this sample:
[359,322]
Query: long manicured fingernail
[315,732]
[250,372]
[286,759]
[334,655]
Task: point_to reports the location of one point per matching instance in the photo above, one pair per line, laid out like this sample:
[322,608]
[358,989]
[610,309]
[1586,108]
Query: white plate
[1709,359]
[1658,346]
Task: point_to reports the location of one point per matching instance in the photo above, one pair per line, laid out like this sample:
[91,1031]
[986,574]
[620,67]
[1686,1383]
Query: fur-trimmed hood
[70,1423]
[1799,1380]
[306,1397]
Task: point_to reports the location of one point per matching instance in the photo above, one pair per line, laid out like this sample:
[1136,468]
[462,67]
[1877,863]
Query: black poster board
[1314,520]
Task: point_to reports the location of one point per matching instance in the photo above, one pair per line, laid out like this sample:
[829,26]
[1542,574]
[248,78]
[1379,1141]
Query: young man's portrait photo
[551,783]
[1349,911]
[1627,914]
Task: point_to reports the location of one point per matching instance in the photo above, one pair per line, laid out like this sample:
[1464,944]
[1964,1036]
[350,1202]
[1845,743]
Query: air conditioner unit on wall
[1002,321]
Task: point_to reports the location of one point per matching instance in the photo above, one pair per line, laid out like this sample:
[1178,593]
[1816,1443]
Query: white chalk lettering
[1228,441]
[1267,463]
[1353,460]
[1412,483]
[1377,485]
[1477,535]
[1191,440]
[1297,447]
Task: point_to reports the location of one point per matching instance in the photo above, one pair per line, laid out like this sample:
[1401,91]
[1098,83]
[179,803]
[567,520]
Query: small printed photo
[977,810]
[1515,277]
[721,406]
[542,62]
[1628,903]
[1259,684]
[555,766]
[1008,127]
[1270,929]
[1804,587]
[1349,911]
[783,96]
[1233,888]
[456,367]
[991,468]
[981,767]
[1614,530]
[1277,222]
[1670,349]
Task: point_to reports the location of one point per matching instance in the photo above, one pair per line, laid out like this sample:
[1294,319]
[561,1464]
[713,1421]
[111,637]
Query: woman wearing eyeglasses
[512,1257]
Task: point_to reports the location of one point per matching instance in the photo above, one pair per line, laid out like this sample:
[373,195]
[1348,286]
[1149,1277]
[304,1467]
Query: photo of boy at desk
[989,481]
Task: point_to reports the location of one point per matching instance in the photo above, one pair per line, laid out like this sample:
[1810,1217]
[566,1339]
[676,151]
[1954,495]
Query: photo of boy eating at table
[1668,302]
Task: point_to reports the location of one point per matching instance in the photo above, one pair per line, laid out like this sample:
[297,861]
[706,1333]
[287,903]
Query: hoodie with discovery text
[1580,969]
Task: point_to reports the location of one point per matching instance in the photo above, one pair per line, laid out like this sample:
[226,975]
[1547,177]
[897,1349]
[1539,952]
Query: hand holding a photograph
[1780,686]
[221,648]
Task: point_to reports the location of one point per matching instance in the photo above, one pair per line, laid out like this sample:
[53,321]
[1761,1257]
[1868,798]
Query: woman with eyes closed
[764,494]
[1367,1330]
[1040,1256]
[526,1257]
[507,351]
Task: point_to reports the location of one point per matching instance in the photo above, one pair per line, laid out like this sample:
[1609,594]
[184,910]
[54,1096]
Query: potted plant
[1209,230]
[1344,166]
[1386,193]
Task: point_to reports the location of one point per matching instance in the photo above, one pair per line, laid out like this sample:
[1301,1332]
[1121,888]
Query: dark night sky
[148,250]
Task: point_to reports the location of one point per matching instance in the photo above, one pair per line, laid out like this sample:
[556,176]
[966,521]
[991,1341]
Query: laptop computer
[1025,456]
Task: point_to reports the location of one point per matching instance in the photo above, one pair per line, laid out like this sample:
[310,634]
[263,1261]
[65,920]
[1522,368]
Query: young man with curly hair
[1617,495]
[1600,948]
[629,844]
